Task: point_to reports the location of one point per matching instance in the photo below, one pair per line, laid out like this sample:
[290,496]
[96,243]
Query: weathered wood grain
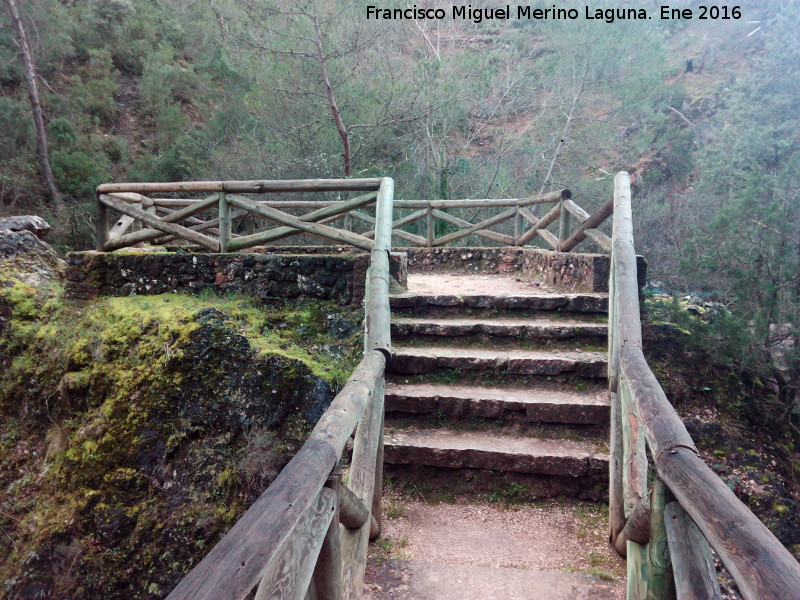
[489,235]
[236,564]
[288,573]
[252,187]
[661,585]
[348,407]
[315,229]
[539,226]
[479,226]
[634,467]
[616,494]
[692,563]
[591,223]
[277,233]
[362,483]
[156,223]
[548,198]
[353,512]
[637,526]
[327,579]
[638,568]
[575,210]
[154,234]
[599,238]
[224,220]
[408,219]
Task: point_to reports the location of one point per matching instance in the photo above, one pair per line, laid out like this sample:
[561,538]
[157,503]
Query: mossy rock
[137,430]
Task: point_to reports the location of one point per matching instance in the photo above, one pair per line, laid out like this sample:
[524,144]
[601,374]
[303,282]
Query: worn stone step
[578,303]
[446,448]
[413,360]
[538,405]
[536,329]
[435,581]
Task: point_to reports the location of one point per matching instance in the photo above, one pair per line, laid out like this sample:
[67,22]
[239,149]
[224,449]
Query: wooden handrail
[290,539]
[263,186]
[762,568]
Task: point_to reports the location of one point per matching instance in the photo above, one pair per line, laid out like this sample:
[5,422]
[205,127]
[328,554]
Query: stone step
[445,448]
[578,303]
[538,405]
[434,581]
[413,360]
[526,329]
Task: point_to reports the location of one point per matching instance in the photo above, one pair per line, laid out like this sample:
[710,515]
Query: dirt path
[446,283]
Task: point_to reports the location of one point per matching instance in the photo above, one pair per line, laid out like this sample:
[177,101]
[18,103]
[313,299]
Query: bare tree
[23,42]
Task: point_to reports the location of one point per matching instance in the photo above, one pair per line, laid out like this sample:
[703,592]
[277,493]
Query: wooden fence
[209,222]
[290,544]
[665,527]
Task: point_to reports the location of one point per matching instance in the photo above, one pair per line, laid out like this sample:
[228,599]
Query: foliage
[748,249]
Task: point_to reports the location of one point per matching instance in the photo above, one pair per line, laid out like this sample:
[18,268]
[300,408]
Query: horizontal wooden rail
[486,203]
[246,187]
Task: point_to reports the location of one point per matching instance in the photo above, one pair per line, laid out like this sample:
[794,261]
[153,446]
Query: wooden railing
[665,527]
[289,543]
[526,226]
[208,222]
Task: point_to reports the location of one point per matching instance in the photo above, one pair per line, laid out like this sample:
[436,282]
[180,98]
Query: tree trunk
[341,128]
[23,41]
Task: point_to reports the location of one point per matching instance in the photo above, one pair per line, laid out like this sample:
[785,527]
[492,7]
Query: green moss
[137,430]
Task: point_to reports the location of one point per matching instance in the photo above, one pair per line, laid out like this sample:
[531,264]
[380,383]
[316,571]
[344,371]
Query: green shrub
[77,173]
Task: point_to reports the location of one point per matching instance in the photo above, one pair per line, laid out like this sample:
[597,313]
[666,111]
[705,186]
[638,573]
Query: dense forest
[704,113]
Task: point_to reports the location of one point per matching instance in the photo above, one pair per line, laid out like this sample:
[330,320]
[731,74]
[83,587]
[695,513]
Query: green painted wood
[662,584]
[638,567]
[224,222]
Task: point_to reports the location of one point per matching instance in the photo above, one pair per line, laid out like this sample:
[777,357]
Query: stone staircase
[495,396]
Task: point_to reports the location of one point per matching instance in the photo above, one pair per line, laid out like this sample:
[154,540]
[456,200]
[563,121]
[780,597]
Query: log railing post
[100,224]
[327,579]
[429,227]
[661,585]
[519,226]
[563,227]
[224,222]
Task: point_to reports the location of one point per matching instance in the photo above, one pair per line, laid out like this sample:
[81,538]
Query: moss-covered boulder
[136,430]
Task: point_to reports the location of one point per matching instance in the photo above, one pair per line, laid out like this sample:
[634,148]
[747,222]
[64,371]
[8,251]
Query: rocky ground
[134,431]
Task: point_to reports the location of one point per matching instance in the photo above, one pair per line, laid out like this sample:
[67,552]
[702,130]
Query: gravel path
[563,535]
[445,283]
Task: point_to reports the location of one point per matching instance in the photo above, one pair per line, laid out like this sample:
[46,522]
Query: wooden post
[327,580]
[616,495]
[224,222]
[692,563]
[100,224]
[429,228]
[377,496]
[519,224]
[662,585]
[563,227]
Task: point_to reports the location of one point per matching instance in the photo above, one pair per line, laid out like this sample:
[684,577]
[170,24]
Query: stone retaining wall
[333,276]
[465,260]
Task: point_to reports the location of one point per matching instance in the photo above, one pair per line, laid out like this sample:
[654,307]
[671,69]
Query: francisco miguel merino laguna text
[609,15]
